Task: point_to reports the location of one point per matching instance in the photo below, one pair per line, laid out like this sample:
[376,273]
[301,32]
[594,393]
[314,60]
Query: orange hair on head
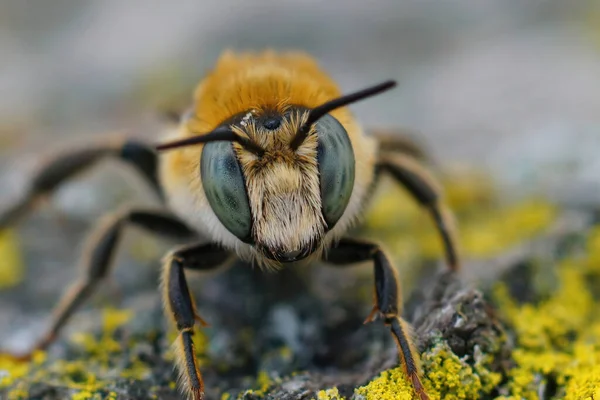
[267,80]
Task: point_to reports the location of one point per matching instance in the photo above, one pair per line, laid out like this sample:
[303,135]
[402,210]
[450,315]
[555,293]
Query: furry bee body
[282,174]
[262,83]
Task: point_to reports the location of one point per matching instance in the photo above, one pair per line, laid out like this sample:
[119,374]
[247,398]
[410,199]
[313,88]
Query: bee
[271,166]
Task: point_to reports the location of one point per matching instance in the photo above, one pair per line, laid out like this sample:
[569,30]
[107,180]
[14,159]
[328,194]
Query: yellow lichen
[77,375]
[549,324]
[18,394]
[507,227]
[389,385]
[263,381]
[137,370]
[445,376]
[11,263]
[485,229]
[83,395]
[585,385]
[114,318]
[89,375]
[11,371]
[558,338]
[329,394]
[106,344]
[489,379]
[465,188]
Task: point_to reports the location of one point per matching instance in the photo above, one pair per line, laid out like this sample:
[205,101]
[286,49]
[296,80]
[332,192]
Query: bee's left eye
[225,188]
[336,168]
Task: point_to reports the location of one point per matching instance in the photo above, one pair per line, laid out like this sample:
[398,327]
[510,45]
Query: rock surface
[298,333]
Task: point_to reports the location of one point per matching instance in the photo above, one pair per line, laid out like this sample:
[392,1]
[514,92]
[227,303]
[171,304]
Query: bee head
[279,180]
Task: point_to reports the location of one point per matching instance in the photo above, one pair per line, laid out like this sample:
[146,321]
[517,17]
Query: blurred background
[512,85]
[509,87]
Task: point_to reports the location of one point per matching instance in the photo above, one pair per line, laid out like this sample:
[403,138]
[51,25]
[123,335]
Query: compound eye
[336,168]
[225,188]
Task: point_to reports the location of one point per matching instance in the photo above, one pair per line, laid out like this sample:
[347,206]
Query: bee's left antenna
[219,134]
[323,109]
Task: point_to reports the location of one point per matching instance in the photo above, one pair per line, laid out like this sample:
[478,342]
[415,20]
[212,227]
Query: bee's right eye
[225,188]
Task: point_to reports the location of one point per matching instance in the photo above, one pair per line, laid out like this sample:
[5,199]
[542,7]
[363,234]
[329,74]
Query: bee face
[285,200]
[284,167]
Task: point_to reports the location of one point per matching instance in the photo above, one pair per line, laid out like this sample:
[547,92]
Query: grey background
[513,86]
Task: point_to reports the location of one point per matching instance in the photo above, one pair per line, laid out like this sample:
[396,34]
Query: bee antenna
[219,134]
[318,112]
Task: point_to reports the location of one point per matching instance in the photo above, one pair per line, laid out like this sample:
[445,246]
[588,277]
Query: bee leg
[388,300]
[397,141]
[180,306]
[60,167]
[96,261]
[427,191]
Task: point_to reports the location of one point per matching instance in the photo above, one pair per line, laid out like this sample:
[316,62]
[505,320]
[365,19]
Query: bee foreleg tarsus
[388,299]
[58,168]
[427,191]
[96,261]
[180,306]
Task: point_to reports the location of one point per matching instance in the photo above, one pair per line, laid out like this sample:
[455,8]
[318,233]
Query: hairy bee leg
[388,300]
[63,166]
[179,304]
[427,191]
[97,257]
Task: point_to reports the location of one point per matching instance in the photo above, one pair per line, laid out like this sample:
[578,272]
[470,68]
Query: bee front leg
[180,306]
[388,300]
[427,191]
[96,262]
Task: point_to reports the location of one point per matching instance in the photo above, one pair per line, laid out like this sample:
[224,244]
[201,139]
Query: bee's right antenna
[316,113]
